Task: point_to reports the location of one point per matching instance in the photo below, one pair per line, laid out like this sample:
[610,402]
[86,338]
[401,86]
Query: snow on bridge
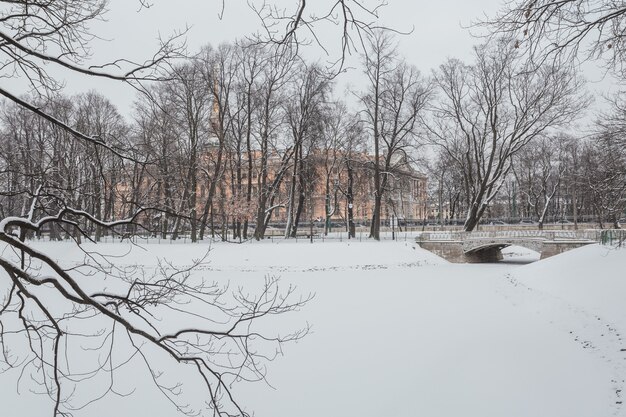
[462,247]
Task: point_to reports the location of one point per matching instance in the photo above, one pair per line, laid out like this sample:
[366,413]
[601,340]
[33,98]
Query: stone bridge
[460,247]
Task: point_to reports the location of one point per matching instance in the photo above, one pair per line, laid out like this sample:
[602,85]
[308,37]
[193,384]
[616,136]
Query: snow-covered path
[400,332]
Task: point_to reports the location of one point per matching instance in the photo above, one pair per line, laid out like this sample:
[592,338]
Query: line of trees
[239,123]
[554,178]
[234,134]
[243,130]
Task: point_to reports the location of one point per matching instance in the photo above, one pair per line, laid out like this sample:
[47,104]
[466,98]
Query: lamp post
[514,208]
[351,229]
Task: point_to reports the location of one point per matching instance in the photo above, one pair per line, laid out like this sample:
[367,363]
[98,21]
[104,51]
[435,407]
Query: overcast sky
[437,25]
[438,32]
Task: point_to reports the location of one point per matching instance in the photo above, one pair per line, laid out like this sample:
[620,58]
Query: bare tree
[96,116]
[571,29]
[220,69]
[395,97]
[572,179]
[332,158]
[304,112]
[353,171]
[451,185]
[190,111]
[352,20]
[377,64]
[252,58]
[490,110]
[45,305]
[274,156]
[34,34]
[539,169]
[614,120]
[604,167]
[156,137]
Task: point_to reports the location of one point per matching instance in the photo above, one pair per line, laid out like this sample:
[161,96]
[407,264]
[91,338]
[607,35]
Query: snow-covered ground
[397,331]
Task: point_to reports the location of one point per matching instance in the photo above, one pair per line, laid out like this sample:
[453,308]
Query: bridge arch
[473,246]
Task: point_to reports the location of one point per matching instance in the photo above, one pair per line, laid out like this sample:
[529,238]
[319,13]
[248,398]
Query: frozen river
[397,331]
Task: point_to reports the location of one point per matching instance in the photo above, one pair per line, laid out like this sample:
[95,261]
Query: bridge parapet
[513,234]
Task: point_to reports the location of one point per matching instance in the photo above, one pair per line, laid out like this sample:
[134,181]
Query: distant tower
[214,118]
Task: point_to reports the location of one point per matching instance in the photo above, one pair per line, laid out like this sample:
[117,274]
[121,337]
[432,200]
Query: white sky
[438,33]
[437,24]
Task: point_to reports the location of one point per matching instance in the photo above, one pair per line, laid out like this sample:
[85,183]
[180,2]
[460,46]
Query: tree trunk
[217,175]
[350,198]
[292,196]
[302,185]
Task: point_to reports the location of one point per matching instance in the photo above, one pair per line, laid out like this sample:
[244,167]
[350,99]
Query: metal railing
[613,237]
